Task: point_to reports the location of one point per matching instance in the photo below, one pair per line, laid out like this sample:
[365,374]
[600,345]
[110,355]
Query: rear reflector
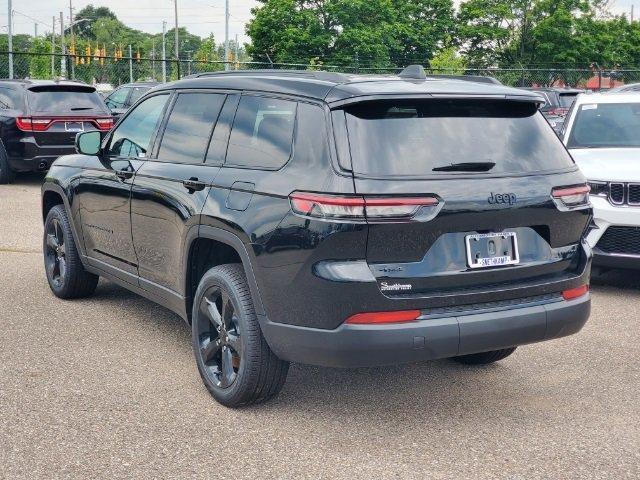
[374,318]
[357,207]
[572,196]
[575,292]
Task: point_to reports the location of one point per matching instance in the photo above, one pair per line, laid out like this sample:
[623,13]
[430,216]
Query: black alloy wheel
[219,337]
[55,253]
[233,358]
[66,275]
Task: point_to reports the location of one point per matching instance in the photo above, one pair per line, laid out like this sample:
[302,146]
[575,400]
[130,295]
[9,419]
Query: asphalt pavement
[107,387]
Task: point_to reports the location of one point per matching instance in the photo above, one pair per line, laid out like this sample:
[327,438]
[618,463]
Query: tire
[235,362]
[6,174]
[65,273]
[485,358]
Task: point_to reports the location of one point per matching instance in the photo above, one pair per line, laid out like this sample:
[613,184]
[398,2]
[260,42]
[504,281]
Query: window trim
[163,125]
[293,136]
[106,143]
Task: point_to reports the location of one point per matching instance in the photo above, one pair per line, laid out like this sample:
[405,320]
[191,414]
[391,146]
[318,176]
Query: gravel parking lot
[107,388]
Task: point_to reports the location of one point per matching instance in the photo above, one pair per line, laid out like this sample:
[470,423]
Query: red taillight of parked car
[377,318]
[575,292]
[572,196]
[28,124]
[41,124]
[358,207]
[104,123]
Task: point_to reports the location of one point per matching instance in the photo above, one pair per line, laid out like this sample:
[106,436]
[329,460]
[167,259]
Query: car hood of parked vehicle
[608,164]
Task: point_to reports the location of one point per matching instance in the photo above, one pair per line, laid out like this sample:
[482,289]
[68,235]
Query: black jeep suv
[39,120]
[328,219]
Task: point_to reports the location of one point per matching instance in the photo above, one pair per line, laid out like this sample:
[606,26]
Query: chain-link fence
[116,71]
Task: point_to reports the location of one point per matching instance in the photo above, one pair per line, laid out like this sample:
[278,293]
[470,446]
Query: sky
[201,17]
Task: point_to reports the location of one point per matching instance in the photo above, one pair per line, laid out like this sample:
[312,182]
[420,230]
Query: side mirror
[88,143]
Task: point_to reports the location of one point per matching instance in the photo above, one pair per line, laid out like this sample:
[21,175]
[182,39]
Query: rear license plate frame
[506,239]
[74,127]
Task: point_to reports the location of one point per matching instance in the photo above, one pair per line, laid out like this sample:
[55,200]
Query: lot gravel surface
[107,388]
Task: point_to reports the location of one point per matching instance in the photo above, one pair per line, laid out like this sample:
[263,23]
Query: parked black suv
[328,219]
[39,120]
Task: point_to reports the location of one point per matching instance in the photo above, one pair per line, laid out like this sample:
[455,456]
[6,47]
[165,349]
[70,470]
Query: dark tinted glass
[218,144]
[262,133]
[64,101]
[137,93]
[118,98]
[132,137]
[606,125]
[188,129]
[311,143]
[411,138]
[567,99]
[10,99]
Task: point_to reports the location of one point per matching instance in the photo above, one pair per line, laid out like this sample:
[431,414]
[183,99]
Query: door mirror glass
[88,143]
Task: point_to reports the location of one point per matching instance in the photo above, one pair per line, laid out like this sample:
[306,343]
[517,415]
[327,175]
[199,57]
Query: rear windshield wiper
[73,109]
[466,167]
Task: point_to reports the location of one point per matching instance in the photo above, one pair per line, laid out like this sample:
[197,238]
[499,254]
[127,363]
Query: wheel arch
[53,194]
[229,248]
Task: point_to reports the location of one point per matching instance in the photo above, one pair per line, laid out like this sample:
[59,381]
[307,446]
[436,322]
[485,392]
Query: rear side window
[262,133]
[61,101]
[10,99]
[189,127]
[423,137]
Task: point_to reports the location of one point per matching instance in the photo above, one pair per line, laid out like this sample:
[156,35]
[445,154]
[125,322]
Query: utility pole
[226,34]
[53,48]
[164,52]
[63,58]
[237,51]
[73,41]
[153,57]
[35,30]
[10,38]
[177,48]
[130,66]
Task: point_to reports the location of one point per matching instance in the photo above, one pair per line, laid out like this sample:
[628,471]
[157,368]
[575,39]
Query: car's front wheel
[65,272]
[235,362]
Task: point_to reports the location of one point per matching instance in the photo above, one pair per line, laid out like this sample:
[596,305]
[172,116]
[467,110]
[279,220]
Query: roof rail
[318,75]
[469,78]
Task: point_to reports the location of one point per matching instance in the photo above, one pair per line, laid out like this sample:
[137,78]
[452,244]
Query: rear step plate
[492,249]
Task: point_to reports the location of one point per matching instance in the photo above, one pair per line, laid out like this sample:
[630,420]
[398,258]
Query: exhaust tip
[42,165]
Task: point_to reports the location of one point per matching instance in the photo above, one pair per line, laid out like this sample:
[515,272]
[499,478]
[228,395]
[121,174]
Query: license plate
[73,127]
[492,249]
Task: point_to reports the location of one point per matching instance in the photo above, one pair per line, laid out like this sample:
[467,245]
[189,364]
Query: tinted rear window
[64,101]
[10,99]
[411,138]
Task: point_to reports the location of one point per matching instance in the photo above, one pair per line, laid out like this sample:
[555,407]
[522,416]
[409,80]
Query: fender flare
[232,240]
[54,187]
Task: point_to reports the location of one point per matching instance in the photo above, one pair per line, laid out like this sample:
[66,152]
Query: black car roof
[149,83]
[35,84]
[339,88]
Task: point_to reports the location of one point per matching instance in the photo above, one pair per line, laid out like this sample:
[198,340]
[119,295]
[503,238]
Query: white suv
[602,133]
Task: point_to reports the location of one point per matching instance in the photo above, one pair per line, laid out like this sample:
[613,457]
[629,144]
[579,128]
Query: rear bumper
[28,156]
[427,339]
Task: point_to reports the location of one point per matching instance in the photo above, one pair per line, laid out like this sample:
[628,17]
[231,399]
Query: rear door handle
[124,174]
[193,184]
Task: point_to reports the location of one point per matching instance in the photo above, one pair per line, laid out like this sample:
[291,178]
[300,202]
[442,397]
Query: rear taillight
[28,124]
[575,292]
[376,318]
[357,207]
[571,197]
[104,123]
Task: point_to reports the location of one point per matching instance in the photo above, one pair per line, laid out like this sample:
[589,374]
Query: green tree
[371,33]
